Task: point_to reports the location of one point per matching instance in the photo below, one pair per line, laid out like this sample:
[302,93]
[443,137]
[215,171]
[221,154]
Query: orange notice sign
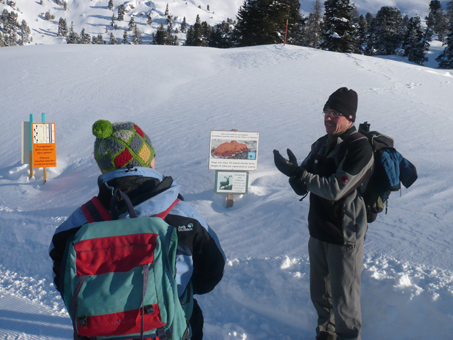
[44,145]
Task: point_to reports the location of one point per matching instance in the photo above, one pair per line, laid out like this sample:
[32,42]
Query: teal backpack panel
[119,280]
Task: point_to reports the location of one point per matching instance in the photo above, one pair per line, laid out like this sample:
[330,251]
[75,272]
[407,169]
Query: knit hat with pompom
[121,145]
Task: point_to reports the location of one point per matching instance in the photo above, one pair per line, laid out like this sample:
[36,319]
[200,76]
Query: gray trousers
[335,274]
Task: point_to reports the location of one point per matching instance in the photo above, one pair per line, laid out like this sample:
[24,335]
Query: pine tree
[194,36]
[435,8]
[206,32]
[4,16]
[442,22]
[221,35]
[189,37]
[12,38]
[159,37]
[184,25]
[99,40]
[25,33]
[73,37]
[415,45]
[314,26]
[131,23]
[121,12]
[261,22]
[111,5]
[362,32]
[62,28]
[384,34]
[125,38]
[169,26]
[85,38]
[10,27]
[445,59]
[449,12]
[113,20]
[166,11]
[150,18]
[137,36]
[113,40]
[339,30]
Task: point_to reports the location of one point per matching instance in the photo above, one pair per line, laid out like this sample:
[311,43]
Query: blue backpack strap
[116,197]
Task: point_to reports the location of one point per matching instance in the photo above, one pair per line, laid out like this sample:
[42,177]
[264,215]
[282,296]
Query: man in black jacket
[335,176]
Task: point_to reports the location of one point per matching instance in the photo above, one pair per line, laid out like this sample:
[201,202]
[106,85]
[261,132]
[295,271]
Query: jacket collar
[149,190]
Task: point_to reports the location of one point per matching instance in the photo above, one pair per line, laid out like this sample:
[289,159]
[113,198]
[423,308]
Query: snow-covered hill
[95,17]
[178,94]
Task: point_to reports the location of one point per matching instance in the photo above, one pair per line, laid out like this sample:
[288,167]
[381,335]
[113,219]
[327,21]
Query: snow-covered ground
[179,94]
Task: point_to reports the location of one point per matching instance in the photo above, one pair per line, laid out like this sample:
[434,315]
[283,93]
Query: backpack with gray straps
[390,170]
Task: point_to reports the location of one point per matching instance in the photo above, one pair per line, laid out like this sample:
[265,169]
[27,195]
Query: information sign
[233,150]
[44,145]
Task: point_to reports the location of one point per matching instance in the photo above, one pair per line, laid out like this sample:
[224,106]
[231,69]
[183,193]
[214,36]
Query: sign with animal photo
[231,182]
[233,150]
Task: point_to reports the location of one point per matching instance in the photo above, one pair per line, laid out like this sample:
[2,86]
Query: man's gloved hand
[287,167]
[296,182]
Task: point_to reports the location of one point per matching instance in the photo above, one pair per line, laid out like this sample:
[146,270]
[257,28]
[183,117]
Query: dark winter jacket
[200,259]
[335,178]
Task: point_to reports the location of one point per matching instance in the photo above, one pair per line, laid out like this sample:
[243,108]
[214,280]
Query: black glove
[296,182]
[287,167]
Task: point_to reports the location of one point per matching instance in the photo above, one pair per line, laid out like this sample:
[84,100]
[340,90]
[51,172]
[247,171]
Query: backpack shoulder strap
[352,138]
[164,214]
[348,141]
[94,211]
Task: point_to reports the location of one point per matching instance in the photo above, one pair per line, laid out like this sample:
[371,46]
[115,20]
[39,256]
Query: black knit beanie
[344,101]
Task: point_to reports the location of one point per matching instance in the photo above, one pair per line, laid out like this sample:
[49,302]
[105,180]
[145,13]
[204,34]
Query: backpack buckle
[149,309]
[82,321]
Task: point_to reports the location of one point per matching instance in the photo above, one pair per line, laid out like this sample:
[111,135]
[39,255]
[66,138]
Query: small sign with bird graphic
[231,182]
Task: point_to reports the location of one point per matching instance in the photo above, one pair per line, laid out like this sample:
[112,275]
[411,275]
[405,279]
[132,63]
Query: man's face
[335,123]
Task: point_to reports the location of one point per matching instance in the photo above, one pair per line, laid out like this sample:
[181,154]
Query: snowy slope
[177,95]
[96,18]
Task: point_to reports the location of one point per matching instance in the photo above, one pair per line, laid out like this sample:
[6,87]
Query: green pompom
[102,129]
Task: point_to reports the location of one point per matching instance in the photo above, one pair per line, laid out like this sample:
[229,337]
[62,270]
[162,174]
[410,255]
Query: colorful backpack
[119,277]
[390,170]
